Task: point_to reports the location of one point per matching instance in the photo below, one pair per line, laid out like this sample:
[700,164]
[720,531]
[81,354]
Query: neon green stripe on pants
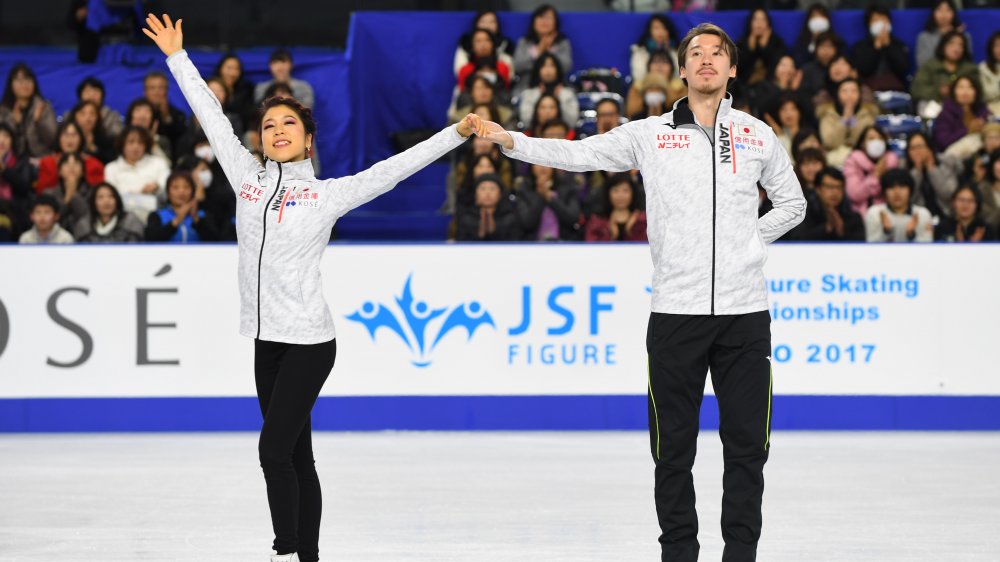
[656,415]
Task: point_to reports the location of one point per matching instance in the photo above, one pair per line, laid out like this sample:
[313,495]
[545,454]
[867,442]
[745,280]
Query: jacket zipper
[711,141]
[263,236]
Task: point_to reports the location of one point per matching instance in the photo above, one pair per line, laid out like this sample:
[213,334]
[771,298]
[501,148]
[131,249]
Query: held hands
[485,129]
[169,37]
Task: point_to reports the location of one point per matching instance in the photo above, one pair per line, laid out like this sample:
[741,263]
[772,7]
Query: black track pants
[681,350]
[289,378]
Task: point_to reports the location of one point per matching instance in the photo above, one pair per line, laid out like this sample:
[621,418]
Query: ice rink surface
[487,496]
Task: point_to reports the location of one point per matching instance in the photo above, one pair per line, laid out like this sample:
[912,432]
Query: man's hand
[167,36]
[886,222]
[488,130]
[911,227]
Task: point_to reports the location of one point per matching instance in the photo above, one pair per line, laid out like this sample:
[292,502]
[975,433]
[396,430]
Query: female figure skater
[283,217]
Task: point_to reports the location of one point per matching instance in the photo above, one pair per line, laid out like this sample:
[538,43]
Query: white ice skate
[293,557]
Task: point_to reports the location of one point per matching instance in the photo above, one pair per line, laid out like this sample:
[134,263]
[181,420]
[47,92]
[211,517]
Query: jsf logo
[556,342]
[417,317]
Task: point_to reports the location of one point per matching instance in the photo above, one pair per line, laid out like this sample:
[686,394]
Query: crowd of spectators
[865,177]
[95,175]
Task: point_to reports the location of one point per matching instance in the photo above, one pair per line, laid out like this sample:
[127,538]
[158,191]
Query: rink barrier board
[488,413]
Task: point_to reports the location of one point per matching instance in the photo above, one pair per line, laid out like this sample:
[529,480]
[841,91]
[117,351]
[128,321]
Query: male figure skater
[701,164]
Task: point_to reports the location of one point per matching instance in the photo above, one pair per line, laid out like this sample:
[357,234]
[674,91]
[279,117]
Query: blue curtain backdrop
[397,74]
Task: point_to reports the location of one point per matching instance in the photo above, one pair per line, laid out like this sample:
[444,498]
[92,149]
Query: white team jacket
[284,216]
[707,244]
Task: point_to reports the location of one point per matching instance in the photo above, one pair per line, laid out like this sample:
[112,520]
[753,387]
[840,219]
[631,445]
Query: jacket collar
[302,170]
[682,114]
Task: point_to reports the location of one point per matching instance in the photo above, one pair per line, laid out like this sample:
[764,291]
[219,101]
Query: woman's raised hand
[167,35]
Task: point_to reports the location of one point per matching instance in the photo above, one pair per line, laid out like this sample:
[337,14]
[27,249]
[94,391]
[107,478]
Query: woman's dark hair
[471,160]
[860,145]
[836,94]
[616,180]
[772,73]
[98,123]
[975,195]
[532,35]
[787,97]
[180,175]
[946,38]
[145,136]
[491,108]
[770,23]
[66,124]
[991,59]
[831,172]
[141,102]
[896,177]
[831,37]
[800,137]
[810,154]
[471,79]
[279,90]
[550,124]
[9,130]
[647,31]
[663,56]
[492,58]
[92,200]
[977,102]
[536,70]
[534,113]
[90,82]
[927,141]
[304,113]
[479,16]
[955,21]
[994,158]
[218,80]
[222,61]
[73,156]
[8,91]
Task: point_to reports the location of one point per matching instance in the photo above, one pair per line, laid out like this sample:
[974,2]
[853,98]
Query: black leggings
[289,378]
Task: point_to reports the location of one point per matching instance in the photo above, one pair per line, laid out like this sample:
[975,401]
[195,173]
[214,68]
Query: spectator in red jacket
[69,140]
[484,61]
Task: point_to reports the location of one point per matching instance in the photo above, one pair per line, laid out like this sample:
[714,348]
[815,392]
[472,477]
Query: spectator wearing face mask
[46,229]
[660,65]
[883,59]
[829,217]
[654,90]
[868,163]
[658,37]
[211,187]
[897,219]
[816,24]
[547,78]
[965,223]
[492,218]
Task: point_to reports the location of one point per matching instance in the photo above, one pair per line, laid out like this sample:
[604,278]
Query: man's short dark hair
[618,108]
[832,173]
[552,123]
[90,82]
[283,55]
[46,201]
[728,46]
[154,74]
[897,178]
